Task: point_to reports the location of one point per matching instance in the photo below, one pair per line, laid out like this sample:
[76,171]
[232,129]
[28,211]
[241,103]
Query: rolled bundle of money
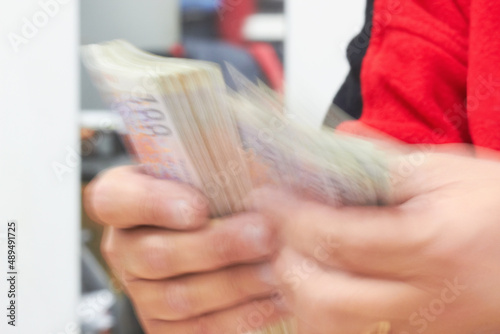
[183,124]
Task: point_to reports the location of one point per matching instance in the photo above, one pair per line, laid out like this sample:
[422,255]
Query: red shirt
[432,72]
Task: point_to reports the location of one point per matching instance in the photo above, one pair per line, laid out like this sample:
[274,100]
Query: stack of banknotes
[184,124]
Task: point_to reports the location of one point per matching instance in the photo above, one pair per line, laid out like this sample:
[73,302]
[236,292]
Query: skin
[426,263]
[184,272]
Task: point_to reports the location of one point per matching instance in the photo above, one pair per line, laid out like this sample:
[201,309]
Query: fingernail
[185,213]
[266,274]
[257,236]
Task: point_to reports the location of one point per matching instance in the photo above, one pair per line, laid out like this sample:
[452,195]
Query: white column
[318,32]
[39,171]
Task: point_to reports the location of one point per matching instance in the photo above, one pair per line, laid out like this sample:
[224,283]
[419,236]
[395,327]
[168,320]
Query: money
[184,124]
[178,120]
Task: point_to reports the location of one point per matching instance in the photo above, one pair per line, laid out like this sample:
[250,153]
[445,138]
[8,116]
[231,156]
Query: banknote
[184,124]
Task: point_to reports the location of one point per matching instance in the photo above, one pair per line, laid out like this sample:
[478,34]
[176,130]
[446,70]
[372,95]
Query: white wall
[318,32]
[148,24]
[152,25]
[38,126]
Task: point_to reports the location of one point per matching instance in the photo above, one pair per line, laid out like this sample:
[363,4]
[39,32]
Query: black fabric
[349,98]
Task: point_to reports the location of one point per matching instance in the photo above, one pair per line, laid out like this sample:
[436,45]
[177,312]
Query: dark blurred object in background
[218,31]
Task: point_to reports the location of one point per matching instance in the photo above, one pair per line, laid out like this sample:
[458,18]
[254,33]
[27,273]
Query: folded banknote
[184,124]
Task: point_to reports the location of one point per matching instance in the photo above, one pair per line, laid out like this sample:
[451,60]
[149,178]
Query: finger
[366,240]
[153,253]
[352,303]
[190,296]
[124,197]
[245,318]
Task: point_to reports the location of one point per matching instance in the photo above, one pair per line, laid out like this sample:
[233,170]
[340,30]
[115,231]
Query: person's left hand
[429,263]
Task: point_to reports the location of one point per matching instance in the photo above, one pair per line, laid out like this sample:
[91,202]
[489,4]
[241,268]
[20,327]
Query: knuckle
[205,325]
[235,281]
[97,197]
[189,215]
[198,203]
[125,278]
[109,252]
[224,248]
[135,292]
[113,259]
[179,299]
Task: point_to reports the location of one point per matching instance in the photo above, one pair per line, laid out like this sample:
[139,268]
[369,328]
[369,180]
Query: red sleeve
[483,93]
[432,72]
[414,75]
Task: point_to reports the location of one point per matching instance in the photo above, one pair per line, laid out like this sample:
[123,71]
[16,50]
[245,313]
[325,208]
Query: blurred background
[56,134]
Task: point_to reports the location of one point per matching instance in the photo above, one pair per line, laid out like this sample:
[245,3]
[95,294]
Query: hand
[183,272]
[428,263]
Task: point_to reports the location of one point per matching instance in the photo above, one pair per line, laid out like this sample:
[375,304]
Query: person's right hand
[183,272]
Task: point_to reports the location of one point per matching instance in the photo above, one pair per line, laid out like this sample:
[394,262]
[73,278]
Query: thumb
[365,240]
